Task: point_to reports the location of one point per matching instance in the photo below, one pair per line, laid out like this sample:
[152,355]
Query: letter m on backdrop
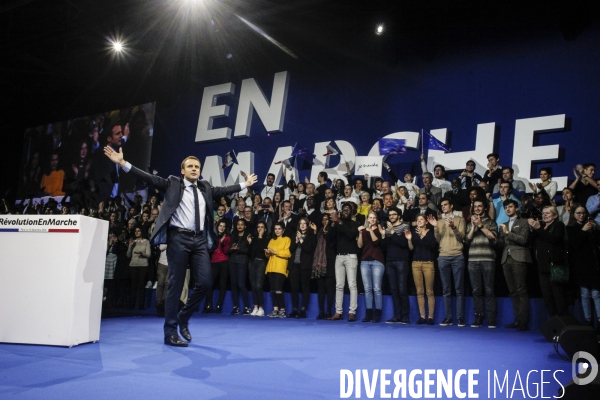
[271,114]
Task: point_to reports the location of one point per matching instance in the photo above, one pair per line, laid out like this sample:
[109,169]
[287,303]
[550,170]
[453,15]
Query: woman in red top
[219,261]
[371,266]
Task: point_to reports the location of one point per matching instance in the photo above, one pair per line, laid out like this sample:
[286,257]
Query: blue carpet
[263,358]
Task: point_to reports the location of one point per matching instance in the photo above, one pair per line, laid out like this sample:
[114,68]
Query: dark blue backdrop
[359,101]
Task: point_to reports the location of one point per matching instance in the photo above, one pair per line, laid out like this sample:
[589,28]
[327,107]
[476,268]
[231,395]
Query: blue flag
[391,146]
[434,144]
[301,151]
[230,159]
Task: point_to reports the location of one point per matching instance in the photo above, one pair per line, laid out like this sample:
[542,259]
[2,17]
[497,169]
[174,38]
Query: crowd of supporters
[419,235]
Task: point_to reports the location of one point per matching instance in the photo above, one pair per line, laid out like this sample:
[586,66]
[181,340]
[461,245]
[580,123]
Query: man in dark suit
[514,234]
[185,221]
[435,193]
[423,207]
[106,174]
[289,220]
[267,215]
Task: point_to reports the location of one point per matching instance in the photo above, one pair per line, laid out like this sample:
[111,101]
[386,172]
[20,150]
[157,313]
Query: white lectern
[52,275]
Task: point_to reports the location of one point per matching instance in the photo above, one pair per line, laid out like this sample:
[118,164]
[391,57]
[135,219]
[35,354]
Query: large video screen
[64,160]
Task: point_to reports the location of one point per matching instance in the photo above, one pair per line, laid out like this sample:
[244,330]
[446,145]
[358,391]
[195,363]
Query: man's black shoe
[514,325]
[175,340]
[185,332]
[293,314]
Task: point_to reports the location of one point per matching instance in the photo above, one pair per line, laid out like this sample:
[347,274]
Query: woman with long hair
[547,184]
[139,253]
[564,211]
[301,190]
[278,253]
[323,268]
[257,203]
[300,266]
[258,264]
[550,248]
[330,206]
[80,167]
[238,267]
[226,202]
[584,259]
[52,180]
[277,199]
[372,266]
[219,263]
[423,244]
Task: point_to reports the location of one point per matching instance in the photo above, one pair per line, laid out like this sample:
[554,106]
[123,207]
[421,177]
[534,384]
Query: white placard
[368,165]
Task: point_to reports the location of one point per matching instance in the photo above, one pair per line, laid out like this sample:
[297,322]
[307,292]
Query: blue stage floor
[263,358]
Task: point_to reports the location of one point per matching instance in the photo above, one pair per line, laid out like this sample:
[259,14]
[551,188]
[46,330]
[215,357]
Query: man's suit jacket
[174,187]
[291,227]
[267,217]
[435,196]
[516,241]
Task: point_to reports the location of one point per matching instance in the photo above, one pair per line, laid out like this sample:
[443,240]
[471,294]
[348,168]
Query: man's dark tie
[196,208]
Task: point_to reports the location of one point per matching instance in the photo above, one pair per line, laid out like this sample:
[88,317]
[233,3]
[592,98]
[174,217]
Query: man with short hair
[386,187]
[469,177]
[423,207]
[320,190]
[348,197]
[186,220]
[449,231]
[514,234]
[221,210]
[494,171]
[481,238]
[508,174]
[106,174]
[289,220]
[434,193]
[343,232]
[505,194]
[266,214]
[313,215]
[269,189]
[439,178]
[397,265]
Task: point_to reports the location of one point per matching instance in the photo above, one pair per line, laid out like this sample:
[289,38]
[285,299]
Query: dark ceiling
[56,61]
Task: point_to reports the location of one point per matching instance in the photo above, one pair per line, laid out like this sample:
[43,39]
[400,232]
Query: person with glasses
[550,247]
[584,259]
[397,265]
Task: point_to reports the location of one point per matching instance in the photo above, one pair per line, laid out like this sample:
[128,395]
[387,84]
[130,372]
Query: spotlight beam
[269,38]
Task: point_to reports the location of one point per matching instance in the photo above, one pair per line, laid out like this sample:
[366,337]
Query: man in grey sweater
[481,238]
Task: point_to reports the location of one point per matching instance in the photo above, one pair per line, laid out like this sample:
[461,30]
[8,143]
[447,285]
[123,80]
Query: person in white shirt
[439,179]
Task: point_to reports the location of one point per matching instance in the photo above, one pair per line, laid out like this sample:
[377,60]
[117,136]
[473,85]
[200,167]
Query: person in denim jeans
[449,232]
[344,232]
[481,238]
[397,265]
[371,266]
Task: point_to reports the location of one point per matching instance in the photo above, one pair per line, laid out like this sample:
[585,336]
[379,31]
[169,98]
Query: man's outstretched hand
[250,180]
[116,157]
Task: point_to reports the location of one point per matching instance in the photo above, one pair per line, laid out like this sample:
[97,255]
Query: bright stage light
[117,46]
[379,30]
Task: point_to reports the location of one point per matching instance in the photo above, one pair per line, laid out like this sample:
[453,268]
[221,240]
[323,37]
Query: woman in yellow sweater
[278,253]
